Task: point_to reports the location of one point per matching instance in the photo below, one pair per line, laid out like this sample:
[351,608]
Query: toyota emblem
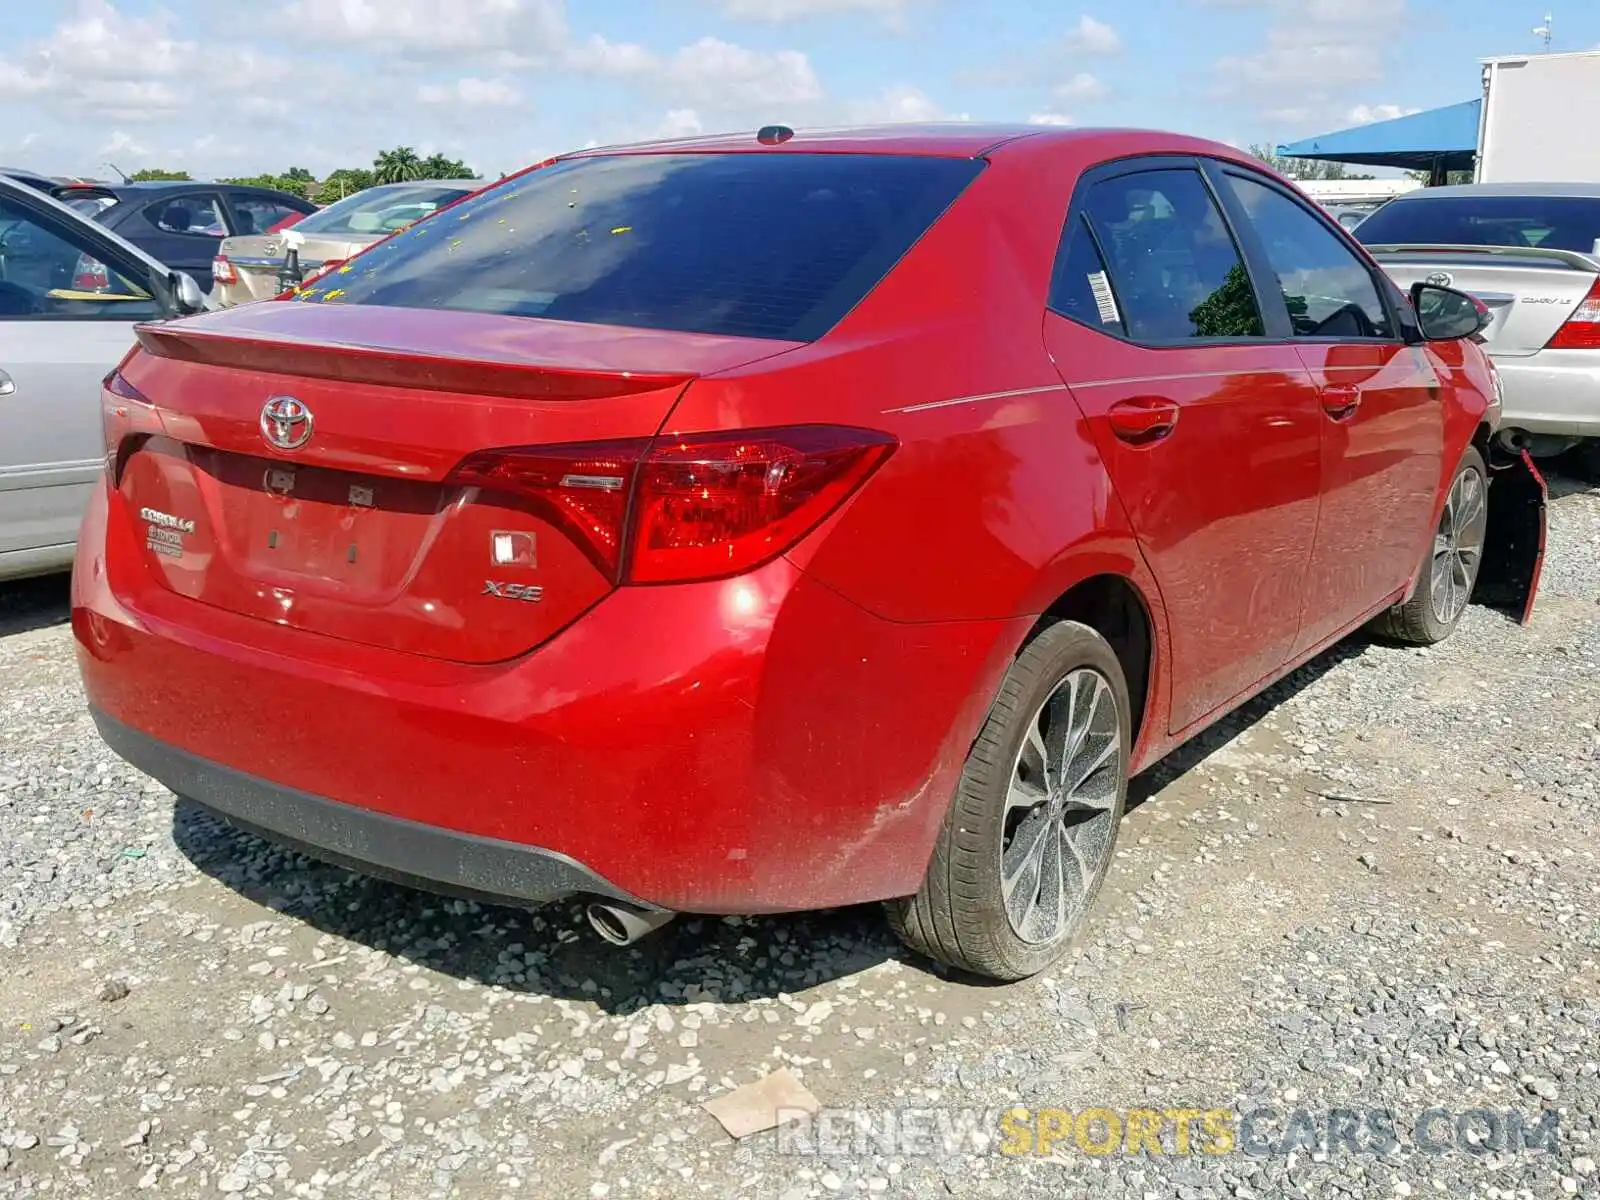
[286,423]
[1439,279]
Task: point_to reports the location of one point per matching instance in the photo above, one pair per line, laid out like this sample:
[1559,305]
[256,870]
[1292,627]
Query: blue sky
[223,87]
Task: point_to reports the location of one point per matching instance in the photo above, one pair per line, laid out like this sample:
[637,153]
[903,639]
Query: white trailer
[1537,122]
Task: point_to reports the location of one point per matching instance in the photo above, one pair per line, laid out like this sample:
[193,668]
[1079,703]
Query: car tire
[1585,460]
[1450,565]
[1019,825]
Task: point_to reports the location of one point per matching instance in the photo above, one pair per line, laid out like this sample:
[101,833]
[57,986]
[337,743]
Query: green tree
[156,173]
[346,181]
[1230,311]
[397,166]
[1305,168]
[437,166]
[278,183]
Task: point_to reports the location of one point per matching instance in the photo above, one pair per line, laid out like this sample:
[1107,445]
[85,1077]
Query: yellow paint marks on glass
[623,229]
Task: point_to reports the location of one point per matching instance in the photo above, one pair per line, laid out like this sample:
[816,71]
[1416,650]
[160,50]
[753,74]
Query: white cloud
[1081,87]
[120,143]
[605,57]
[681,122]
[432,28]
[471,92]
[713,72]
[1315,53]
[897,104]
[1093,37]
[779,11]
[1050,118]
[1366,114]
[85,65]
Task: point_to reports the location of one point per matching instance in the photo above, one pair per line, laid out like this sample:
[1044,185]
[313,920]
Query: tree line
[400,165]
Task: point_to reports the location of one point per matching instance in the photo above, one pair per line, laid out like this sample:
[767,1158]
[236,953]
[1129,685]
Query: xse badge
[531,593]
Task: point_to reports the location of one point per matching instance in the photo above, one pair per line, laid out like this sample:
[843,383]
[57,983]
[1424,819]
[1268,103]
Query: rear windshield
[1550,222]
[777,245]
[381,211]
[88,204]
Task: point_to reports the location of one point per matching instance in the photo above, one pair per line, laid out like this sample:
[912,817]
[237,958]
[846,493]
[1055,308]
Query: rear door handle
[1340,401]
[1141,420]
[8,385]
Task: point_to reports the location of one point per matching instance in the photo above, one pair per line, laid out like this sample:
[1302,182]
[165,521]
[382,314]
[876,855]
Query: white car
[70,294]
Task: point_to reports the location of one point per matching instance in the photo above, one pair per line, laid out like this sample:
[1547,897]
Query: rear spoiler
[1567,258]
[283,355]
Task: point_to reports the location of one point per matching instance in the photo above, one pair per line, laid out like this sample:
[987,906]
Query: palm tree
[438,166]
[397,166]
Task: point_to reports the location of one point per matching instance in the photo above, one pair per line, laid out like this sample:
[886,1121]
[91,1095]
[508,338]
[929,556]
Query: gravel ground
[1373,889]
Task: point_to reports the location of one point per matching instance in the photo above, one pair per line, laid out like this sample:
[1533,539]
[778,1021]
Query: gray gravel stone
[191,1012]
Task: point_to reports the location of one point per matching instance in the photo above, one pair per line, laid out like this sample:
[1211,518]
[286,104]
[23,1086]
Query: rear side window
[1545,222]
[197,215]
[1328,290]
[776,245]
[1176,271]
[1081,289]
[254,214]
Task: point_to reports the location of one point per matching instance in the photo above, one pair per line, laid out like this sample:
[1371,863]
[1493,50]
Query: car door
[66,318]
[183,230]
[1381,416]
[1208,426]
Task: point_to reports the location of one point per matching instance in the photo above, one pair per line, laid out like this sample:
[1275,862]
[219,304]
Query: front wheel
[1030,833]
[1450,567]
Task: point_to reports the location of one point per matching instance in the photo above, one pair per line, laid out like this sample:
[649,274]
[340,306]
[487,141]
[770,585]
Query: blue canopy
[1436,140]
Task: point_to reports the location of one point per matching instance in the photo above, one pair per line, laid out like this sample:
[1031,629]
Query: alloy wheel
[1458,546]
[1058,829]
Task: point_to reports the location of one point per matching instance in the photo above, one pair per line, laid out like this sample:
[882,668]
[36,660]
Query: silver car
[1530,252]
[70,293]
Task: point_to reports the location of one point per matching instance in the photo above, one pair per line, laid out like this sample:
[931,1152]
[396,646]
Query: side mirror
[1446,315]
[186,294]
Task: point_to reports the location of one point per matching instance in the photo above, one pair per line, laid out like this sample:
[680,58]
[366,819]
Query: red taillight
[222,270]
[711,507]
[695,508]
[125,413]
[1582,329]
[89,275]
[581,489]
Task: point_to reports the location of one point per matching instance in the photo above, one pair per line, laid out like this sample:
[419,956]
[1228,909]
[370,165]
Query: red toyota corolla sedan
[775,522]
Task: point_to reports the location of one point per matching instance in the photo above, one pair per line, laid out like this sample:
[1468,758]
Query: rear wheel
[1028,838]
[1585,460]
[1450,568]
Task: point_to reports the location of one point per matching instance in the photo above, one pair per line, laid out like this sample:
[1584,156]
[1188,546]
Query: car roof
[150,187]
[1466,191]
[411,183]
[955,139]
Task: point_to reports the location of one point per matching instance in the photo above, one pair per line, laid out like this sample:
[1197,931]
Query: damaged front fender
[1513,548]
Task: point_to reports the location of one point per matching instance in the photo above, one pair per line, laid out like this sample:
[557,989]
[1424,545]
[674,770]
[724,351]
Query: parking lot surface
[1374,889]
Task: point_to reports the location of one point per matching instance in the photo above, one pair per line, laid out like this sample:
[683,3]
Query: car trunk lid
[1530,292]
[359,532]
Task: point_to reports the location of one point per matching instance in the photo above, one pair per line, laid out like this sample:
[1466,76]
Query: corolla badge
[286,423]
[1439,279]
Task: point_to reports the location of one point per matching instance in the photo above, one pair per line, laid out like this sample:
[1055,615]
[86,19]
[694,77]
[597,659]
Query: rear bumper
[409,852]
[749,745]
[1554,391]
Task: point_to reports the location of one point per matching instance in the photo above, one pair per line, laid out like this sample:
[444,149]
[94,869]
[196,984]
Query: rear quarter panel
[995,502]
[996,489]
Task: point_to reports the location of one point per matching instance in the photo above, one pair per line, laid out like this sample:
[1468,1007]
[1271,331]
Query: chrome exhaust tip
[622,925]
